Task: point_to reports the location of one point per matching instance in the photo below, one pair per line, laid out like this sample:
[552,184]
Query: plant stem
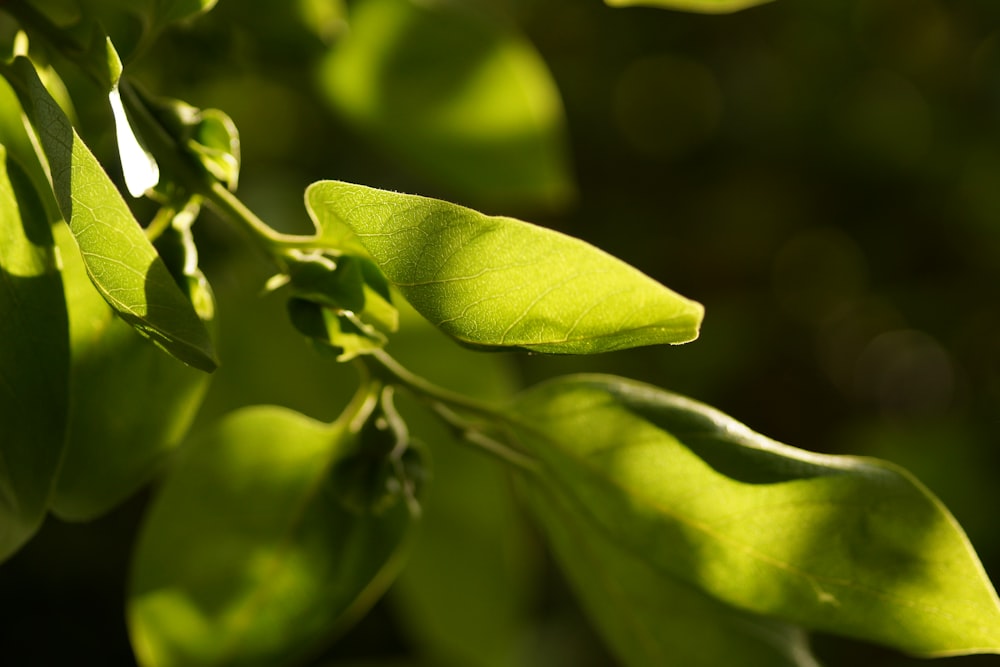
[442,401]
[474,435]
[178,164]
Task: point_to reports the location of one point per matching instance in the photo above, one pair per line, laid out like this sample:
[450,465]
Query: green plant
[689,538]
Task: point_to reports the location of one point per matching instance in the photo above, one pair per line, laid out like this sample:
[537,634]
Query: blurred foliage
[822,176]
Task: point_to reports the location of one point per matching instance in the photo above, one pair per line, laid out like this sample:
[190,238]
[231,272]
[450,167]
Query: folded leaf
[850,546]
[121,262]
[247,556]
[502,283]
[652,618]
[34,360]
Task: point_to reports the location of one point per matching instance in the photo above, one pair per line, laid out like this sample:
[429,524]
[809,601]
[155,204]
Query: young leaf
[651,618]
[247,556]
[501,283]
[34,360]
[118,437]
[121,262]
[704,6]
[457,97]
[850,546]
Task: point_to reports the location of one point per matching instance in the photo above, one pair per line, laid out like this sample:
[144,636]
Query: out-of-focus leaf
[501,283]
[327,19]
[131,404]
[342,331]
[120,261]
[34,360]
[247,556]
[849,546]
[649,617]
[705,6]
[460,98]
[134,24]
[465,596]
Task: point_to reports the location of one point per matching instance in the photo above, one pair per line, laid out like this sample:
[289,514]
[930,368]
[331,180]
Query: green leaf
[340,331]
[34,360]
[844,545]
[247,557]
[14,136]
[459,98]
[501,283]
[651,618]
[703,6]
[209,137]
[131,404]
[121,262]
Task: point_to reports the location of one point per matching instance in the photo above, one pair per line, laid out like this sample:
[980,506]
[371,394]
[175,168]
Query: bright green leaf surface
[14,136]
[502,283]
[247,556]
[118,436]
[706,6]
[121,262]
[458,97]
[651,618]
[34,360]
[850,546]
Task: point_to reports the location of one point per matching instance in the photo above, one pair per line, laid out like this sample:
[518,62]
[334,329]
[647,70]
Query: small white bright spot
[138,167]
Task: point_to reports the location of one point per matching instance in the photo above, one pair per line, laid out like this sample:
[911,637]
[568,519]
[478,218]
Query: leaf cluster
[688,538]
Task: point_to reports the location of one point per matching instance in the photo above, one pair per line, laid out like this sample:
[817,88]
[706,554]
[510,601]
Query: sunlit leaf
[247,556]
[121,262]
[131,404]
[502,283]
[844,545]
[458,97]
[649,617]
[705,6]
[34,360]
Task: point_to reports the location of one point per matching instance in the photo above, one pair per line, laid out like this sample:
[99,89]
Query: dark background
[823,176]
